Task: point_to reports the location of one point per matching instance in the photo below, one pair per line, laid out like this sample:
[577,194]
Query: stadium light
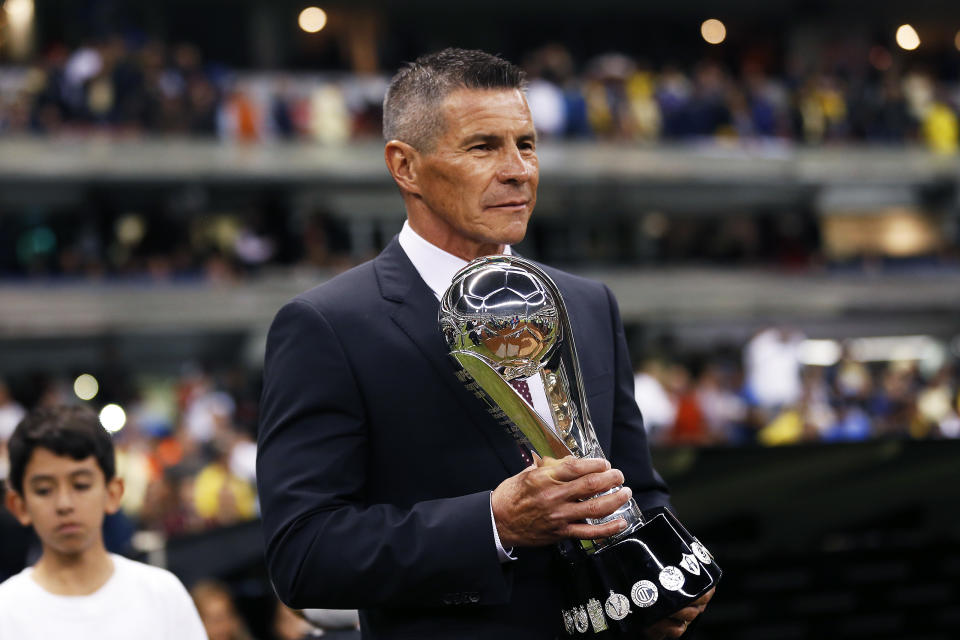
[907,37]
[713,31]
[19,13]
[113,417]
[312,19]
[17,16]
[86,387]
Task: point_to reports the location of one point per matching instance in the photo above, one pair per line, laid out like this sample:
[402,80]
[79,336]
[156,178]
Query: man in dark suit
[384,484]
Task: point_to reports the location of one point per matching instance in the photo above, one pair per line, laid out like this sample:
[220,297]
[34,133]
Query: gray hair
[411,108]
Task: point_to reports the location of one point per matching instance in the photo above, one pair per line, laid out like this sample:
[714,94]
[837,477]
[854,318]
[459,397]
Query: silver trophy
[504,321]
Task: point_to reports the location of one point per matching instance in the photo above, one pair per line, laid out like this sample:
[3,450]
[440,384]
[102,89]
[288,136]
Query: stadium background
[778,214]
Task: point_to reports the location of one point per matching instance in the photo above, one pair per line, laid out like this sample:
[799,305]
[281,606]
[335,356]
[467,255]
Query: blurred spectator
[850,400]
[689,425]
[221,496]
[644,110]
[288,625]
[17,543]
[218,612]
[240,120]
[724,409]
[608,108]
[937,407]
[207,411]
[545,70]
[282,111]
[16,538]
[330,118]
[940,128]
[10,415]
[894,403]
[772,366]
[169,505]
[657,406]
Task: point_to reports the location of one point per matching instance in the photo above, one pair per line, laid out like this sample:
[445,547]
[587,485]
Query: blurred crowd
[840,94]
[769,394]
[119,88]
[187,236]
[873,100]
[187,449]
[180,240]
[157,89]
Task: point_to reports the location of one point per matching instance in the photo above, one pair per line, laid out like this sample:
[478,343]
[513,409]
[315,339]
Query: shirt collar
[435,266]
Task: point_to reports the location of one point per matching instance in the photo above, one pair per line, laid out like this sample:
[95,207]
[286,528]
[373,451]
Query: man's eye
[41,492]
[480,147]
[81,487]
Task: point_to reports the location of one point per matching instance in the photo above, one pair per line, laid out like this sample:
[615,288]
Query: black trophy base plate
[659,569]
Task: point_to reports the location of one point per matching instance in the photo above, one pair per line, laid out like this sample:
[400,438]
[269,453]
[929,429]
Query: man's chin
[505,239]
[512,232]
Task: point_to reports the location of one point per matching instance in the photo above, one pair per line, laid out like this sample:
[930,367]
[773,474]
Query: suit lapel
[416,315]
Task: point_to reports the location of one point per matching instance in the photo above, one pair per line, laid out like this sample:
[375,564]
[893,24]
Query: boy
[62,483]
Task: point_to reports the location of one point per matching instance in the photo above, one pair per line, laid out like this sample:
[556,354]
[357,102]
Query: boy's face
[65,501]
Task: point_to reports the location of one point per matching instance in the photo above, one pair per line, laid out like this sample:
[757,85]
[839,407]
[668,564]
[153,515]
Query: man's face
[478,186]
[65,500]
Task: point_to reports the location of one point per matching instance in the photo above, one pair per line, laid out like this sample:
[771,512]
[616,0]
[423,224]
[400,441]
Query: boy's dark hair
[74,432]
[411,107]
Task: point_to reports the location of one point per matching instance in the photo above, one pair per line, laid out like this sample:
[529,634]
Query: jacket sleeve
[326,546]
[630,451]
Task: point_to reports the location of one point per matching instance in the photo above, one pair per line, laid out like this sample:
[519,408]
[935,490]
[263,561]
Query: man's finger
[704,600]
[571,468]
[595,531]
[685,615]
[594,483]
[595,508]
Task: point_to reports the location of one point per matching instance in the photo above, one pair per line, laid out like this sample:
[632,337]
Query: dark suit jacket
[375,465]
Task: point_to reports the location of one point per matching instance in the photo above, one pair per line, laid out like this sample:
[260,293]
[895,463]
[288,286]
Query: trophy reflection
[506,325]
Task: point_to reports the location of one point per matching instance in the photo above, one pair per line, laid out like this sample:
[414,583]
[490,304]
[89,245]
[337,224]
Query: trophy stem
[629,512]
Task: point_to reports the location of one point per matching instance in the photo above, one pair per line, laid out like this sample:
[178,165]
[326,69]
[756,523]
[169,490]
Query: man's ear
[114,495]
[402,160]
[15,505]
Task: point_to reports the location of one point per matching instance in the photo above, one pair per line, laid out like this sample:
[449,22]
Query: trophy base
[656,570]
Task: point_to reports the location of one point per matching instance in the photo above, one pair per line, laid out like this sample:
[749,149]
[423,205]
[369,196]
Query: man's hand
[549,500]
[674,625]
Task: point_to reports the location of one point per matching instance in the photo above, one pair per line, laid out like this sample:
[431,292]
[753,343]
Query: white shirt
[138,601]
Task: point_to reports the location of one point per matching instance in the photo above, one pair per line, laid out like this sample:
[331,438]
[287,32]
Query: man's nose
[515,166]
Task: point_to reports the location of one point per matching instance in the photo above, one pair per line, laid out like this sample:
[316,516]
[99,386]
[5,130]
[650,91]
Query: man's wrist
[505,555]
